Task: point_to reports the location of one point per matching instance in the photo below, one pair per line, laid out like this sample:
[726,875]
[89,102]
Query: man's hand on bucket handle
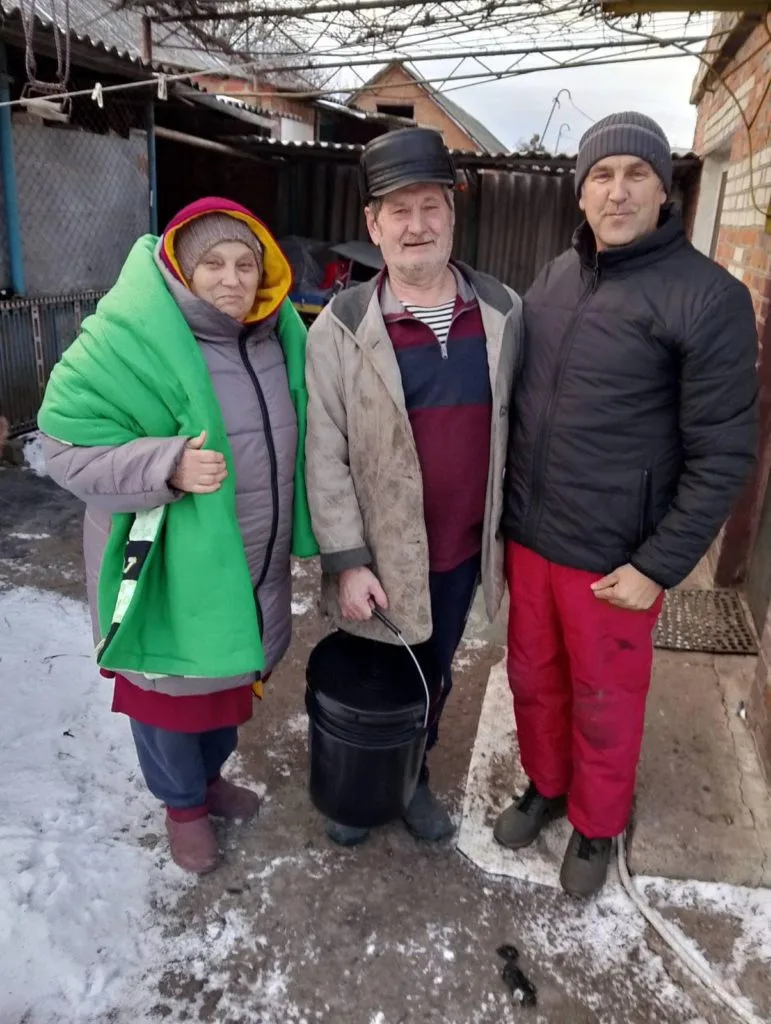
[359,591]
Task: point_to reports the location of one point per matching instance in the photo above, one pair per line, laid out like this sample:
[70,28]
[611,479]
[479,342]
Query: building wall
[741,216]
[743,241]
[259,95]
[397,87]
[292,130]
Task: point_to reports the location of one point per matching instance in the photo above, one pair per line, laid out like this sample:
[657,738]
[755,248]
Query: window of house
[397,109]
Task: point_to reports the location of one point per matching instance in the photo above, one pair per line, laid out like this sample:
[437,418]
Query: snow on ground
[608,930]
[301,605]
[83,898]
[86,895]
[33,453]
[75,881]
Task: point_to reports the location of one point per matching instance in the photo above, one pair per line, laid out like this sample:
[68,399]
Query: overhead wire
[722,83]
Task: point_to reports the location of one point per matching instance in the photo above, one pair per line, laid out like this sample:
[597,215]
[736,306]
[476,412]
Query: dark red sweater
[449,403]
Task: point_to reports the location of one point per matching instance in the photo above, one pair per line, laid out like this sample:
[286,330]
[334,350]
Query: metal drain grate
[712,621]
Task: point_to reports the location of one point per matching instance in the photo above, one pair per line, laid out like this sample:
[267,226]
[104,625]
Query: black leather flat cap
[408,156]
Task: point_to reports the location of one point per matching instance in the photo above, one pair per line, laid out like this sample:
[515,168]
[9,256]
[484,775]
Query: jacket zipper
[443,345]
[532,518]
[273,469]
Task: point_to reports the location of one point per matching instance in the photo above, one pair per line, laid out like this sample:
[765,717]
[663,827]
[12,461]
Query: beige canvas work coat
[362,470]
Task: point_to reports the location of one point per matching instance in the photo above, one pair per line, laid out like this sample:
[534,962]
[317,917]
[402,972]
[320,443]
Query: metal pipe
[10,192]
[194,140]
[152,170]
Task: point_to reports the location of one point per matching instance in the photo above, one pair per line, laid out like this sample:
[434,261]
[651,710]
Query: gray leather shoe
[425,817]
[585,866]
[521,823]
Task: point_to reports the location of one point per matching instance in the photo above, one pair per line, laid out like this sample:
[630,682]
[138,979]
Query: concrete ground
[396,932]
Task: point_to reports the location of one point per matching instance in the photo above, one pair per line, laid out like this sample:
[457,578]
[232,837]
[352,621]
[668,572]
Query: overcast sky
[517,109]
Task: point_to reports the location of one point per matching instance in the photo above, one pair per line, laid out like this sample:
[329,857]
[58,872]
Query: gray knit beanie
[195,239]
[625,134]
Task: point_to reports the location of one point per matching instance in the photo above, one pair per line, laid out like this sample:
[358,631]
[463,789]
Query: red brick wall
[744,241]
[744,247]
[259,95]
[396,86]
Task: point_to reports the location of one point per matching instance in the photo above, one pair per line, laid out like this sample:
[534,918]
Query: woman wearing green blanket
[178,416]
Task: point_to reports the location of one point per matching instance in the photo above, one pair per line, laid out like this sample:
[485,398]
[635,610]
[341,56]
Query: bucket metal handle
[378,614]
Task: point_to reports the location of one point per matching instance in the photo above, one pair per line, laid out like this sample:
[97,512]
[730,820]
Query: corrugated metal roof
[348,110]
[535,163]
[226,105]
[120,32]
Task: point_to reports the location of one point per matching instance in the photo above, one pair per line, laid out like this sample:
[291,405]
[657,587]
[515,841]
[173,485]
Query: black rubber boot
[425,817]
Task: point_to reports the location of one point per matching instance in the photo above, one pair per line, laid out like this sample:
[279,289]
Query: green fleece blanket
[175,595]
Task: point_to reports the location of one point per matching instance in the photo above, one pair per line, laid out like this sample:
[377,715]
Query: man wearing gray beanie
[633,432]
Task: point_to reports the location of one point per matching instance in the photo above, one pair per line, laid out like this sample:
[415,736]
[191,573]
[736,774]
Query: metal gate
[33,335]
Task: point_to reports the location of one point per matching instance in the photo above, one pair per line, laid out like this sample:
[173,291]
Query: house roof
[481,136]
[224,104]
[348,110]
[119,32]
[528,163]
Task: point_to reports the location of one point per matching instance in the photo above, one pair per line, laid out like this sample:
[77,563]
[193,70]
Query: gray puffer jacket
[249,376]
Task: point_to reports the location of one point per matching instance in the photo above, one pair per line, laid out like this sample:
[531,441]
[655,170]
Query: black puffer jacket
[634,419]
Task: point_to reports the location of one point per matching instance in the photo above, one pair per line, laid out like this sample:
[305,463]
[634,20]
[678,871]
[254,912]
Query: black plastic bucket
[366,705]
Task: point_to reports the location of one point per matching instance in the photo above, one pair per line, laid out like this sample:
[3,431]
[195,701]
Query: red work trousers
[579,669]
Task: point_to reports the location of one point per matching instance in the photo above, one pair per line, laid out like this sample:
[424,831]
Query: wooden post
[147,38]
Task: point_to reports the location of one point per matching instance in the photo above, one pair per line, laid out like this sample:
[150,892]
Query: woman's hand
[199,472]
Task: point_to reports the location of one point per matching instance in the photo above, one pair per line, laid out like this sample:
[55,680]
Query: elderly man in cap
[634,431]
[409,379]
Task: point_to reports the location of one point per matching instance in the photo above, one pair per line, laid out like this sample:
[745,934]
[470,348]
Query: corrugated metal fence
[508,223]
[524,220]
[33,335]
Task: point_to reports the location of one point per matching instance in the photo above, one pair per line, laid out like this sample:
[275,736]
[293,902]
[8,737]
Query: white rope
[28,17]
[674,940]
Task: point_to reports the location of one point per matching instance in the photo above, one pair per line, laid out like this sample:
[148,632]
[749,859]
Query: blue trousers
[452,594]
[178,765]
